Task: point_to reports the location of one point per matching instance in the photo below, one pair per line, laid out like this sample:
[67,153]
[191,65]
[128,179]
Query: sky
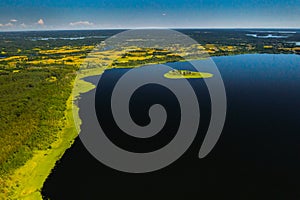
[107,14]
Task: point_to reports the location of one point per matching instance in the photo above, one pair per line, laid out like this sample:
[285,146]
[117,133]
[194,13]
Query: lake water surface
[257,156]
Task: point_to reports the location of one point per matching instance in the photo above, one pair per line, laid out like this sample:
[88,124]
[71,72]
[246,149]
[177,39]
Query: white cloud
[23,25]
[9,24]
[41,22]
[81,23]
[13,20]
[6,25]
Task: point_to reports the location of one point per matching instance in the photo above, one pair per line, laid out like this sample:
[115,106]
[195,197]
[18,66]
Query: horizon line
[131,28]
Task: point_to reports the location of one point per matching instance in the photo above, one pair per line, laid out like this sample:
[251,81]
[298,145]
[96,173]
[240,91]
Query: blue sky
[92,14]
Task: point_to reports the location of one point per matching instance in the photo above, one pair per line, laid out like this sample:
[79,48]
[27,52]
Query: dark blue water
[257,156]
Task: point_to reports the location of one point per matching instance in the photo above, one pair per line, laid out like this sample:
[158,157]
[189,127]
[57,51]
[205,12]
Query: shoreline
[26,182]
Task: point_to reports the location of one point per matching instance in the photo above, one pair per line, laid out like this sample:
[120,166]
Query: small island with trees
[179,74]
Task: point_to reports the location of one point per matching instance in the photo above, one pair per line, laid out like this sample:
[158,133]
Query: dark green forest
[31,112]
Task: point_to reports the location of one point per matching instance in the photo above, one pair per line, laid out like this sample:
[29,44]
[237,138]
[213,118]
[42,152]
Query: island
[179,74]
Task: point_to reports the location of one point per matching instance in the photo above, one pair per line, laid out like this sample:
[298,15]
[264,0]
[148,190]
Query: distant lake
[66,38]
[267,36]
[257,156]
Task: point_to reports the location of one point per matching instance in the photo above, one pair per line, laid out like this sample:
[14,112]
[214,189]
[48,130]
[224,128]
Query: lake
[257,156]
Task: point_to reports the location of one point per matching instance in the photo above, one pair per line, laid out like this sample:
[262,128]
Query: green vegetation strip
[22,177]
[36,128]
[27,180]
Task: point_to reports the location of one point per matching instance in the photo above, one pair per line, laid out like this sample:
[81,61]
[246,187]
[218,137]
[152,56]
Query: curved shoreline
[27,181]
